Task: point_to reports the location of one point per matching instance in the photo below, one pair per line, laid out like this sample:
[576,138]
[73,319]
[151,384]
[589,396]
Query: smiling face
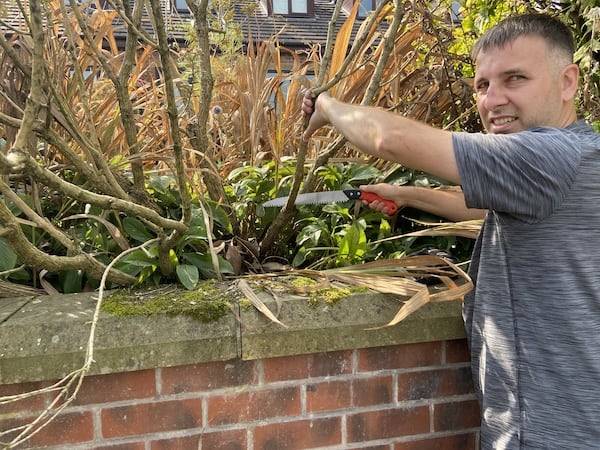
[524,84]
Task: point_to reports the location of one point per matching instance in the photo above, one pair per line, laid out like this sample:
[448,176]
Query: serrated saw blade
[316,198]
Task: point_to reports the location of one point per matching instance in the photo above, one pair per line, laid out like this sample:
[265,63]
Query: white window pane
[280,7]
[300,6]
[366,6]
[181,5]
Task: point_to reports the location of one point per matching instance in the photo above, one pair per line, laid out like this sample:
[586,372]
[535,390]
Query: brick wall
[400,397]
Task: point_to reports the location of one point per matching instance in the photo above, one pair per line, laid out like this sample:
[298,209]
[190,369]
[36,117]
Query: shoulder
[525,174]
[537,142]
[579,129]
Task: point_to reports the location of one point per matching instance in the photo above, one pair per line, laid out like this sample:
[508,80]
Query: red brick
[144,418]
[328,396]
[456,415]
[457,351]
[434,383]
[209,376]
[330,364]
[457,442]
[372,391]
[27,405]
[222,440]
[68,428]
[254,405]
[300,434]
[116,387]
[286,368]
[307,366]
[388,423]
[400,356]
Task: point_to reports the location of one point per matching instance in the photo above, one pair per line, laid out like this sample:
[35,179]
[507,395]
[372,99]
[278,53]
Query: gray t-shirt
[533,318]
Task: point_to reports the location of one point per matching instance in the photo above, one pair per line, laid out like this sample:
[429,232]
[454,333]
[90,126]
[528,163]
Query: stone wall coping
[45,337]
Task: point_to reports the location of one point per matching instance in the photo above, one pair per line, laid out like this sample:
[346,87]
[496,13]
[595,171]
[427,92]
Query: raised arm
[385,135]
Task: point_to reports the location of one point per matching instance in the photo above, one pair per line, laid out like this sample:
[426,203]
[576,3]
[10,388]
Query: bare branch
[27,164]
[32,256]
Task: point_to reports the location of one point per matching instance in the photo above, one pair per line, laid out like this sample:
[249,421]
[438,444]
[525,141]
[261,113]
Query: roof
[292,31]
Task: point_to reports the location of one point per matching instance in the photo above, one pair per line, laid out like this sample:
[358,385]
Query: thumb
[308,132]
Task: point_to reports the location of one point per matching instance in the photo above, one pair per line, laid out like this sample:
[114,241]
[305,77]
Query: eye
[481,87]
[515,77]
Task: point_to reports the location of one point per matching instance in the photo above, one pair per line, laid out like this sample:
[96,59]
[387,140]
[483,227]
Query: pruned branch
[338,68]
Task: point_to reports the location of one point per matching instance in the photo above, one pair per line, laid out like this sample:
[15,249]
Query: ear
[570,81]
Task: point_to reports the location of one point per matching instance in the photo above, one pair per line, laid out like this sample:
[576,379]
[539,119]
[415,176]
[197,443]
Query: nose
[494,97]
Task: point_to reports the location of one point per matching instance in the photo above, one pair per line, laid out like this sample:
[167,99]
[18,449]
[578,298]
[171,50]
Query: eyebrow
[512,72]
[503,74]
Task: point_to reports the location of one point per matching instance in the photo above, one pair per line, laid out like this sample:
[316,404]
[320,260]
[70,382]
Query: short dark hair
[556,33]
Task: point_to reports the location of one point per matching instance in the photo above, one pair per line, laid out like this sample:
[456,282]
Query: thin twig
[73,380]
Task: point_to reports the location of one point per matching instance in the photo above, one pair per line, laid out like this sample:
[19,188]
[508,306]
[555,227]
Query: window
[366,6]
[291,7]
[455,12]
[181,5]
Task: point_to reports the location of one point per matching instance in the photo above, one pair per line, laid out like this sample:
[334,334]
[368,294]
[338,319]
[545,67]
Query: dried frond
[400,277]
[468,228]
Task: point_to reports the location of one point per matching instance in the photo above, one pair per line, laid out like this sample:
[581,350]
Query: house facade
[297,23]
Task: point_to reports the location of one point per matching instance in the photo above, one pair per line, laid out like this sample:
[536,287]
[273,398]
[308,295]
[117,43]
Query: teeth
[503,121]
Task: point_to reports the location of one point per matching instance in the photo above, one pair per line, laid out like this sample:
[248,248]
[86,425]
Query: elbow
[388,146]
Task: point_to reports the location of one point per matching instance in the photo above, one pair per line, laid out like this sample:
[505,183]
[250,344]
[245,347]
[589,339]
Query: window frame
[310,10]
[180,5]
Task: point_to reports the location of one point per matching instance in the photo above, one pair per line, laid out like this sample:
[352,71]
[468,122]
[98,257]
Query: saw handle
[369,197]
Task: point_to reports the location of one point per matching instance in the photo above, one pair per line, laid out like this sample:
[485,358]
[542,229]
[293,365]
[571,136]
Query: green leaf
[354,243]
[72,281]
[243,170]
[385,229]
[310,235]
[15,210]
[136,229]
[299,258]
[188,275]
[9,258]
[219,215]
[203,261]
[129,269]
[361,172]
[140,258]
[146,274]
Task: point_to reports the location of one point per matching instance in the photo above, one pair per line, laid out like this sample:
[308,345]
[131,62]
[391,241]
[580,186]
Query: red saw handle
[391,206]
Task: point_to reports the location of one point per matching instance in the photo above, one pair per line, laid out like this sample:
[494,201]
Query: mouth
[499,121]
[503,124]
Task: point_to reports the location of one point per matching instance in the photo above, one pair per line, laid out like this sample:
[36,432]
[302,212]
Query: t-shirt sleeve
[526,174]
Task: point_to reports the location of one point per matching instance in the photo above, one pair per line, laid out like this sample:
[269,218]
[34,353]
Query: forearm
[449,204]
[393,137]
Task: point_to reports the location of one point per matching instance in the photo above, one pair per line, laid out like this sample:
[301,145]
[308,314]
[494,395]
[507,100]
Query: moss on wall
[207,303]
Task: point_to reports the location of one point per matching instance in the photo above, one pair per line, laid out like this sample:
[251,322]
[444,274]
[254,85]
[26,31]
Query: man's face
[519,86]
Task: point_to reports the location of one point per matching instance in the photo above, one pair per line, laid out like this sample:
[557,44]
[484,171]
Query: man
[533,318]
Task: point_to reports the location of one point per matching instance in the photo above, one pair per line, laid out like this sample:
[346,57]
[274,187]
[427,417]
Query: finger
[307,110]
[307,133]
